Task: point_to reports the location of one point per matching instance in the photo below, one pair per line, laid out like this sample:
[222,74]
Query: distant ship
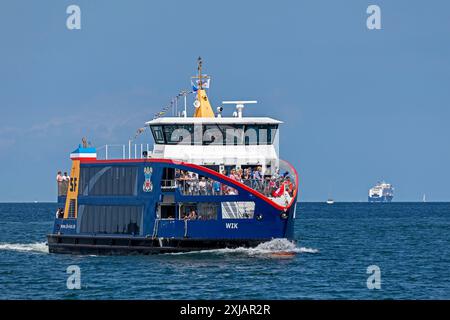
[330,201]
[381,192]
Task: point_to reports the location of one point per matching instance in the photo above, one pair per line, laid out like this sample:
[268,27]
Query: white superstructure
[381,192]
[217,141]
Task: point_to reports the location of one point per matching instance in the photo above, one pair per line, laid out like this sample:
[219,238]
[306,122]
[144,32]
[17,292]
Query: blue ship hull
[98,227]
[380,199]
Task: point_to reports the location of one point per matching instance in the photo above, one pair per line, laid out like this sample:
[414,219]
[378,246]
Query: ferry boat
[211,181]
[381,192]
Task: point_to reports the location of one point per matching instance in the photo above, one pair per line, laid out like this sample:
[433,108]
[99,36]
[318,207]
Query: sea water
[409,243]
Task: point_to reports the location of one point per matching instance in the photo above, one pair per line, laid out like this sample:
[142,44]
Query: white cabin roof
[223,120]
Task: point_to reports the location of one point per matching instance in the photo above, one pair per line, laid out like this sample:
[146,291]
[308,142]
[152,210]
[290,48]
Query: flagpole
[176,106]
[185,105]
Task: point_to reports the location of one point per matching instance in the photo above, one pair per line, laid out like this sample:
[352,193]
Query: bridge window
[261,134]
[223,134]
[179,134]
[158,134]
[212,134]
[216,134]
[110,219]
[238,210]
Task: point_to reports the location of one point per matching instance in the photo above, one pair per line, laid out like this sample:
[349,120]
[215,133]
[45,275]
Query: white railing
[123,151]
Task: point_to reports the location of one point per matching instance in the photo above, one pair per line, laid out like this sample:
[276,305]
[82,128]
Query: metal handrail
[193,187]
[129,151]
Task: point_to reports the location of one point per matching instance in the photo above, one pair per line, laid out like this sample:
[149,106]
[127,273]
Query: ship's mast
[203,107]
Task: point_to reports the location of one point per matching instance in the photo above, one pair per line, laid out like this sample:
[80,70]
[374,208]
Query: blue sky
[359,105]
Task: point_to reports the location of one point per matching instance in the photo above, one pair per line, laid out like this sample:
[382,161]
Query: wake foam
[40,247]
[269,248]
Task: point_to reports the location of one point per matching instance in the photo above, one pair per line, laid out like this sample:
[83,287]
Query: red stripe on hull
[204,169]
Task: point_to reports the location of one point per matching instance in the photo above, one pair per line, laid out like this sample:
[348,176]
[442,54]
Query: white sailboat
[330,199]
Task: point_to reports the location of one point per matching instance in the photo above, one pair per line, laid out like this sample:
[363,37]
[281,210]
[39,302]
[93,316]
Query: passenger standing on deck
[223,186]
[195,180]
[59,213]
[202,186]
[240,173]
[209,187]
[192,215]
[289,187]
[246,174]
[66,177]
[216,188]
[272,185]
[276,175]
[233,176]
[183,183]
[190,182]
[246,177]
[267,187]
[257,176]
[66,180]
[59,181]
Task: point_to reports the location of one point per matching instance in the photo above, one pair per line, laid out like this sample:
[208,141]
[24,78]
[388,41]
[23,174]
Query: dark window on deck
[168,178]
[167,211]
[110,219]
[108,181]
[203,211]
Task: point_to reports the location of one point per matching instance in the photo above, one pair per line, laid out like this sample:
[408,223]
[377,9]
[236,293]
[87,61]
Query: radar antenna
[240,105]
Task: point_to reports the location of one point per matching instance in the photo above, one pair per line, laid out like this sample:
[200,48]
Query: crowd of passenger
[63,183]
[271,185]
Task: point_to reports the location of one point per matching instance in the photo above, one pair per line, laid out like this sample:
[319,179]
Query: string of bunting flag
[166,108]
[172,103]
